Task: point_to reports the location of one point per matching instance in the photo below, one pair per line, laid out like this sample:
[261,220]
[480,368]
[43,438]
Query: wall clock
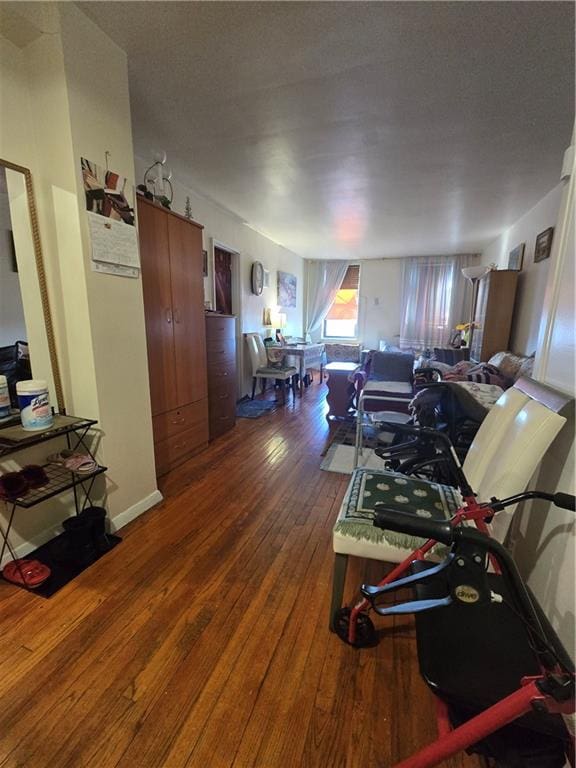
[257,278]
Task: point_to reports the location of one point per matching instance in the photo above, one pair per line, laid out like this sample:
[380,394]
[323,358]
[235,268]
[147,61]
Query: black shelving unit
[60,479]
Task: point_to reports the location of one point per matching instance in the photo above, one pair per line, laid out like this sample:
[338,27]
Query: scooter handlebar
[565,501]
[405,522]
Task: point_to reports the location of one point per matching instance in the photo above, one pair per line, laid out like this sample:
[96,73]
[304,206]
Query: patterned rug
[344,433]
[340,458]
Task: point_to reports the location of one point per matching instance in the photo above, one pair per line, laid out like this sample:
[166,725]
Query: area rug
[340,458]
[253,409]
[344,433]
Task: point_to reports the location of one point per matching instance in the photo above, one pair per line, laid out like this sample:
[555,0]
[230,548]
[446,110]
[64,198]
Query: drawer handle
[223,397]
[180,445]
[224,418]
[179,421]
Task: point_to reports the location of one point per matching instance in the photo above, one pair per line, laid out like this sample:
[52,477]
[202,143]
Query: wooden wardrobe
[172,281]
[494,312]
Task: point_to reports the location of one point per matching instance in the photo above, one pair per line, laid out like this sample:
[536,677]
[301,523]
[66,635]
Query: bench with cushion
[505,452]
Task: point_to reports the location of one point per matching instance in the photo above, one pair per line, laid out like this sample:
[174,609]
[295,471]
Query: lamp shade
[475,273]
[278,319]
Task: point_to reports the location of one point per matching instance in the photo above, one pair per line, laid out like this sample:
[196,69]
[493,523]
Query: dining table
[302,357]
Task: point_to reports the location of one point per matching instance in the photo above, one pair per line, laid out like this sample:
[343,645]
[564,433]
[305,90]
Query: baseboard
[115,524]
[31,544]
[119,521]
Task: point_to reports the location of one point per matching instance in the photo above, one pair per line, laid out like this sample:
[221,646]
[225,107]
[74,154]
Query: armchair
[385,382]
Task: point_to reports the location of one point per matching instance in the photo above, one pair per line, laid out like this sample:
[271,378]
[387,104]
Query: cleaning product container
[34,402]
[4,398]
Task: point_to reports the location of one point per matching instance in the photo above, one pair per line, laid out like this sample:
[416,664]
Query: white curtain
[323,281]
[435,297]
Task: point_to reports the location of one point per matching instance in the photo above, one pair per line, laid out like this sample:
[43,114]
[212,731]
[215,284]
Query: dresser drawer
[175,449]
[181,419]
[223,370]
[221,348]
[221,424]
[220,328]
[222,392]
[223,403]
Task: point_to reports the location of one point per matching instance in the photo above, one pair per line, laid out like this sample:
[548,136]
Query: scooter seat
[473,655]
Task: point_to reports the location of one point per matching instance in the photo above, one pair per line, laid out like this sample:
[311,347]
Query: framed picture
[516,257]
[205,263]
[543,244]
[286,289]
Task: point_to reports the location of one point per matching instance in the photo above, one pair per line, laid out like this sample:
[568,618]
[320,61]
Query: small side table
[340,389]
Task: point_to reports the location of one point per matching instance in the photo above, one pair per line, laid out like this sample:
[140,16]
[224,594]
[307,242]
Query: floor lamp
[474,275]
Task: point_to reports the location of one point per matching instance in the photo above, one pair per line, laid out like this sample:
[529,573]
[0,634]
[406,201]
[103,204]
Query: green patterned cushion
[407,494]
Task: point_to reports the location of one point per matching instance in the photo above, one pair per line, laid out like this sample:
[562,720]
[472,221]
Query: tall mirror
[27,347]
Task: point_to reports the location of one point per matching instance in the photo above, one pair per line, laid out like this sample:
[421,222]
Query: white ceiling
[352,129]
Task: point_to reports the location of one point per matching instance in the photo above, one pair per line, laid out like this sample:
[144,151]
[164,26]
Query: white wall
[380,300]
[545,537]
[228,229]
[533,277]
[54,110]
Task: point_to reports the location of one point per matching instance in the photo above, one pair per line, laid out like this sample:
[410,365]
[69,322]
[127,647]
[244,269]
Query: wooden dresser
[173,287]
[221,362]
[494,312]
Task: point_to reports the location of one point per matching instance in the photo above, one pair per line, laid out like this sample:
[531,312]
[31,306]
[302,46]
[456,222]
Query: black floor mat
[62,571]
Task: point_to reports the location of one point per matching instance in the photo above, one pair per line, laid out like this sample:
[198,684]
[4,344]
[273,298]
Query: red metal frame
[500,714]
[470,511]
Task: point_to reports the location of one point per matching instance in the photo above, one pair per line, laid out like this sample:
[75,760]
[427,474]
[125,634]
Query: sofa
[503,369]
[342,353]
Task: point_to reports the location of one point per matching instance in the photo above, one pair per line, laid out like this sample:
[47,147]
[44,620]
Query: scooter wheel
[366,636]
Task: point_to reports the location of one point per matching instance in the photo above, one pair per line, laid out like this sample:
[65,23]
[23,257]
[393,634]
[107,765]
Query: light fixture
[278,320]
[474,275]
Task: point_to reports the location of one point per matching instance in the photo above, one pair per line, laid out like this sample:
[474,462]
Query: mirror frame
[51,340]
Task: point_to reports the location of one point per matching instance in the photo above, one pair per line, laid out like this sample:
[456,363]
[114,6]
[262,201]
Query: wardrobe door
[156,286]
[188,305]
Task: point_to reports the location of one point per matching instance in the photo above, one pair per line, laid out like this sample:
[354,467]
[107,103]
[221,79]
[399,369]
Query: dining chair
[263,369]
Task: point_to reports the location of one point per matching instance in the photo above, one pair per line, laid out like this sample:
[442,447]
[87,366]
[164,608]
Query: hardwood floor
[202,639]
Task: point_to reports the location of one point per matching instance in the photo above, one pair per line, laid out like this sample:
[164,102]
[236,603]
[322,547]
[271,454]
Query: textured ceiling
[355,129]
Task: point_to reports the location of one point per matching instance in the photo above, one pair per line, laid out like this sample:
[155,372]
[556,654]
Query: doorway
[222,280]
[227,294]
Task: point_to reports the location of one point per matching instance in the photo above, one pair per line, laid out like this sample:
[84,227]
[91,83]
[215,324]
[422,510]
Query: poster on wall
[107,193]
[286,289]
[110,212]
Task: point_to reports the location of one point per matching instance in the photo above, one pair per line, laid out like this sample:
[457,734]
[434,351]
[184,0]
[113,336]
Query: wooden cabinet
[221,362]
[494,311]
[172,282]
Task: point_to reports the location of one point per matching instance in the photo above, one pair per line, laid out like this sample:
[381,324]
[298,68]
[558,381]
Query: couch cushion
[388,387]
[391,366]
[510,365]
[354,532]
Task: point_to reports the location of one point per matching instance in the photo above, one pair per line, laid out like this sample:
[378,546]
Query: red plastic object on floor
[26,573]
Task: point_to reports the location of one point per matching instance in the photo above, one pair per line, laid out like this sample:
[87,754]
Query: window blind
[351,278]
[345,306]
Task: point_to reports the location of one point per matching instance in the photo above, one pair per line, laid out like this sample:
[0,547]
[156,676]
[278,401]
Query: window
[342,320]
